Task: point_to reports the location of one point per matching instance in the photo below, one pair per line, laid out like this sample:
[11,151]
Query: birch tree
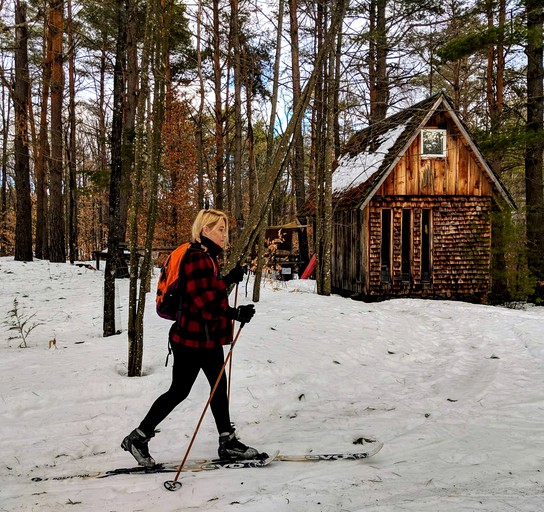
[159,15]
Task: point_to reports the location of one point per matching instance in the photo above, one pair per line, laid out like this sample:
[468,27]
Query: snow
[353,171]
[454,390]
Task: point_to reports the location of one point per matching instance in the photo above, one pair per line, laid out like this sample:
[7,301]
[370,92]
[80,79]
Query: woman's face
[217,234]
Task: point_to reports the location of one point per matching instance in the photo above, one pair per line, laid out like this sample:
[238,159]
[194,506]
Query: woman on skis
[197,339]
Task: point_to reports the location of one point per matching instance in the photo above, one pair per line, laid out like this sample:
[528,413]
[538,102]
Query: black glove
[243,314]
[235,275]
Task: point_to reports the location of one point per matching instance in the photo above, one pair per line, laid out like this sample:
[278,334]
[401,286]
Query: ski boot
[136,444]
[230,448]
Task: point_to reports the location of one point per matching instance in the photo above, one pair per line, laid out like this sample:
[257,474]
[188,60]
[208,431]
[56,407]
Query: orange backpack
[169,300]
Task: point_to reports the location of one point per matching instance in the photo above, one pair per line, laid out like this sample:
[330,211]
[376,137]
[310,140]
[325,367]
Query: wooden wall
[459,173]
[349,257]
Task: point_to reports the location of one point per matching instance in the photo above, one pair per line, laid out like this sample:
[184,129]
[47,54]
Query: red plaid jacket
[204,322]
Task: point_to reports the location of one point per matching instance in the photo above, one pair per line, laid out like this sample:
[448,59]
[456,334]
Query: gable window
[433,143]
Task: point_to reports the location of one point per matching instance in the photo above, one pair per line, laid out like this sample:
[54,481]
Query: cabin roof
[371,154]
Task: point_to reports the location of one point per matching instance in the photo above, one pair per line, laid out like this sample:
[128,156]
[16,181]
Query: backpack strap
[181,282]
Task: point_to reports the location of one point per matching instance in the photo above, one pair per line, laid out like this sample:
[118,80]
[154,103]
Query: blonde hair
[208,218]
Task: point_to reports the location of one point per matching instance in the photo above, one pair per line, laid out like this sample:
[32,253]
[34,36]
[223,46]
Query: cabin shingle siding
[460,249]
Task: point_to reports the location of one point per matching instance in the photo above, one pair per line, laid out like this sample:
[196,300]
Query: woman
[197,339]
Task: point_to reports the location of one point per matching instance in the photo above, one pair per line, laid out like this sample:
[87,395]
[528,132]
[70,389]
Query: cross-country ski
[195,465]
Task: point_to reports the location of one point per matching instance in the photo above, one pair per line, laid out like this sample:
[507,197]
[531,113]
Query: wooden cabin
[412,199]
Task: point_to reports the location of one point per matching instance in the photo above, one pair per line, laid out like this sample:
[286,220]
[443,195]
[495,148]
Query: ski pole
[230,362]
[174,485]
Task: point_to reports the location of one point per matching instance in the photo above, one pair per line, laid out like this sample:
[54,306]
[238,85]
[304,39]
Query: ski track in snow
[455,391]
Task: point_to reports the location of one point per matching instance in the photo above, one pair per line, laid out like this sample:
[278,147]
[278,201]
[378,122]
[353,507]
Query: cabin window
[406,241]
[386,246]
[426,237]
[433,143]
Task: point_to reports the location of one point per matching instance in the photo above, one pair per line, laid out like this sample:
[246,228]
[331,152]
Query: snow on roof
[353,171]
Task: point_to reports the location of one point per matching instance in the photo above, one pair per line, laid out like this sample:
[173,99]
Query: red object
[309,269]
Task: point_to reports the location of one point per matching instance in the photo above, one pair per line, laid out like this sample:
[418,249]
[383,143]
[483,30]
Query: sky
[455,392]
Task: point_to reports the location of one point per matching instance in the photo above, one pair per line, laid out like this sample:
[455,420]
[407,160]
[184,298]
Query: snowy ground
[455,391]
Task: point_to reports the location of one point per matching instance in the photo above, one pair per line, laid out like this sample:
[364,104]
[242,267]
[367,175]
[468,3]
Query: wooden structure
[412,200]
[286,255]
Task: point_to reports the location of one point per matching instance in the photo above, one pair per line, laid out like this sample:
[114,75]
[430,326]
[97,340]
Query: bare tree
[71,149]
[325,128]
[112,261]
[135,325]
[57,238]
[272,175]
[377,61]
[23,227]
[129,117]
[269,145]
[199,128]
[6,114]
[298,144]
[42,155]
[218,110]
[160,17]
[236,206]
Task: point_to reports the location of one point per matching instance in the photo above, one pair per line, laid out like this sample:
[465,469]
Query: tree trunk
[326,148]
[4,166]
[379,84]
[23,226]
[248,73]
[495,69]
[129,118]
[135,346]
[219,150]
[331,88]
[298,144]
[162,22]
[102,139]
[41,161]
[57,237]
[114,251]
[199,128]
[319,108]
[269,145]
[534,153]
[72,188]
[495,101]
[236,207]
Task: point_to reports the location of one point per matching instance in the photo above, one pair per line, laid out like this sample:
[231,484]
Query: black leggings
[188,362]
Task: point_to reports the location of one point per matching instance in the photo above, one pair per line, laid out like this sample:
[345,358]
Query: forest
[122,118]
